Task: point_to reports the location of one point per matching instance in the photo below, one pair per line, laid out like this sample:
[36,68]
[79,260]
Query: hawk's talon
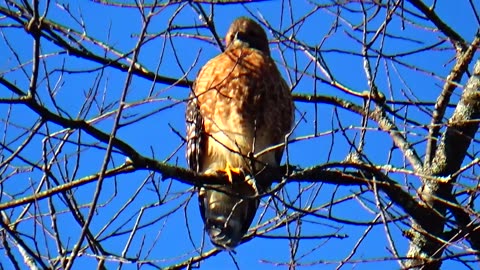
[251,181]
[229,170]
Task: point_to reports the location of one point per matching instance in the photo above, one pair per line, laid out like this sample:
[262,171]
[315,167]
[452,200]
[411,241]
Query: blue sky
[168,237]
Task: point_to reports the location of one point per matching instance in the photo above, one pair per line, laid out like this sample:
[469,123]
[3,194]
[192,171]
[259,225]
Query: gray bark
[428,235]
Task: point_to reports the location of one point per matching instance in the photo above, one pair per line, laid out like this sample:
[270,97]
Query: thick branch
[443,99]
[461,128]
[321,174]
[448,159]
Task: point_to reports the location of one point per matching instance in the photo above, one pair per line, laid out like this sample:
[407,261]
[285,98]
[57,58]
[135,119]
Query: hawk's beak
[241,39]
[236,35]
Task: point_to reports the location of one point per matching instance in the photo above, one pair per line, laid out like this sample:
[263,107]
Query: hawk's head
[245,32]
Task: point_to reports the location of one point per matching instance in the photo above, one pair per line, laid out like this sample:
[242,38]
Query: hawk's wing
[195,134]
[226,215]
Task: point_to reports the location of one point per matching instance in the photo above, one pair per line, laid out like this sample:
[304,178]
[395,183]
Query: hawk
[239,106]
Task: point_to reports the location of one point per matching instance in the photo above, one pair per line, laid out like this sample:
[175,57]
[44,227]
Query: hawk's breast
[246,107]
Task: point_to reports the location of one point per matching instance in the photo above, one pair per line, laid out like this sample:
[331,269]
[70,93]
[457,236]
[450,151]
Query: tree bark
[428,238]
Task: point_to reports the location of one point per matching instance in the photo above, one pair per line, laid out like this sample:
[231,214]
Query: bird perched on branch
[239,106]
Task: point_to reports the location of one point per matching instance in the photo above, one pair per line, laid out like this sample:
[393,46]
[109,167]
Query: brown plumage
[239,106]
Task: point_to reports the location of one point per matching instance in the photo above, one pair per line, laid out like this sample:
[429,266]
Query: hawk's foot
[235,175]
[252,182]
[232,172]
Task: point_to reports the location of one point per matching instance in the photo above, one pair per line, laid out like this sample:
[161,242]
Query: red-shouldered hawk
[239,106]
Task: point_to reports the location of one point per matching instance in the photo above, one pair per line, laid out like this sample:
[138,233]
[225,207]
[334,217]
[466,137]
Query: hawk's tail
[228,211]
